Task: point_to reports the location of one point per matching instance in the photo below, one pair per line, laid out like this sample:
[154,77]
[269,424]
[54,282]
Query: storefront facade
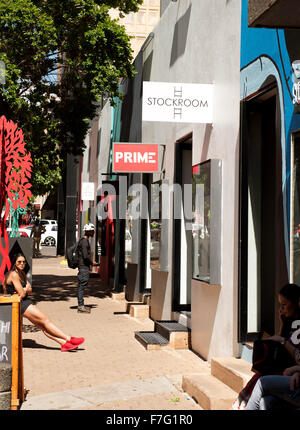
[192,45]
[219,269]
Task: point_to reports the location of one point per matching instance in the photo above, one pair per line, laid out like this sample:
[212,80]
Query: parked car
[49,238]
[48,223]
[22,231]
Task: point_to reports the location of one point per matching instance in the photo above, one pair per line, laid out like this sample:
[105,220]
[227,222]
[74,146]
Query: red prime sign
[135,157]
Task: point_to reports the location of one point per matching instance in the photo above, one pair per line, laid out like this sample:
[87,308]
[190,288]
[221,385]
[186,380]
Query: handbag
[270,357]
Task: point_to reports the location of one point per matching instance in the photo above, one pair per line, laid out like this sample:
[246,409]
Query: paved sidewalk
[110,370]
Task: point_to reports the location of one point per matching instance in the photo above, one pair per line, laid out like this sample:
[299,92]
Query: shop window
[158,228]
[155,226]
[206,222]
[128,233]
[295,210]
[201,222]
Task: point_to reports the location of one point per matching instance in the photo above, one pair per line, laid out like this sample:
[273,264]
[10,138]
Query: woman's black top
[11,289]
[25,302]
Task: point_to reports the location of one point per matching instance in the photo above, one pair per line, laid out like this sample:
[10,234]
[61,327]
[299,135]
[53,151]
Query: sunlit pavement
[111,369]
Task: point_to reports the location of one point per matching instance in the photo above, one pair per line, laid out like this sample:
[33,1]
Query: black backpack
[270,357]
[72,256]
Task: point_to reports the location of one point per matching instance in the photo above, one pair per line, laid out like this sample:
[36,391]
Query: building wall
[267,57]
[138,25]
[199,42]
[205,41]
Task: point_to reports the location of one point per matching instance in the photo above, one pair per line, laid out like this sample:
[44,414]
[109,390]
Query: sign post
[11,345]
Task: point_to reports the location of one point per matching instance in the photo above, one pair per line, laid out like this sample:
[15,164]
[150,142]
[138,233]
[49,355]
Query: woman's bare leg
[56,339]
[42,321]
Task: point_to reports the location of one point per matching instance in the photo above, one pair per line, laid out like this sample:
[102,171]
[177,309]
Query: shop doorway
[262,260]
[183,261]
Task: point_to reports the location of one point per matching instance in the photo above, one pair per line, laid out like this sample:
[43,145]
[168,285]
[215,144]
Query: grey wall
[199,42]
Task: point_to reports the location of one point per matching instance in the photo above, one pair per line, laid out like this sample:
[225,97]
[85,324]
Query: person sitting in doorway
[289,312]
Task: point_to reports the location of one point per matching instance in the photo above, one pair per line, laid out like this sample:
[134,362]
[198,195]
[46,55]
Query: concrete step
[209,392]
[166,335]
[178,335]
[234,372]
[152,340]
[139,311]
[146,299]
[117,296]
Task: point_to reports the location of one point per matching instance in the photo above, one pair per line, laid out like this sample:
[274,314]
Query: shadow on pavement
[29,343]
[57,288]
[29,328]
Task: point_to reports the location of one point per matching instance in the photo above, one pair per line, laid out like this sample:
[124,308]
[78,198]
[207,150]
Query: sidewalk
[110,370]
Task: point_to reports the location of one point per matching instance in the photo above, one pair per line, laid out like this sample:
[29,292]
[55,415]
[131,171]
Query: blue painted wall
[265,51]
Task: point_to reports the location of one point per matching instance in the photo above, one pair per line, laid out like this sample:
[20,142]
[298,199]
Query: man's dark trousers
[83,279]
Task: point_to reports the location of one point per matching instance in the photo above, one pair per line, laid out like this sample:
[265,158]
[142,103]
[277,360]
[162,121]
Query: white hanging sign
[177,102]
[87,191]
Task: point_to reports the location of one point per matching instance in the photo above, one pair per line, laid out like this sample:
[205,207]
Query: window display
[295,211]
[201,221]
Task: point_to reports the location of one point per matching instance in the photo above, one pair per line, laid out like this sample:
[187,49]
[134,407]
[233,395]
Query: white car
[49,238]
[48,223]
[24,232]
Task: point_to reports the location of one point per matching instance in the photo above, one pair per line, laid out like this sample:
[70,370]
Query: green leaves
[75,40]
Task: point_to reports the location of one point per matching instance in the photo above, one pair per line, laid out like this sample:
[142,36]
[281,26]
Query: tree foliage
[60,58]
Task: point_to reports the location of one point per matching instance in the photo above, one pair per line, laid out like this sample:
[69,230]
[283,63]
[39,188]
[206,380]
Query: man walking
[36,232]
[85,262]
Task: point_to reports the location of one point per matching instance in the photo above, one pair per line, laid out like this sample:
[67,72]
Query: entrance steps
[135,309]
[139,310]
[117,296]
[166,335]
[219,390]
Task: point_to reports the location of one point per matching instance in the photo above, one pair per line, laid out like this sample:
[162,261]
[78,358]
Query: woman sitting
[289,313]
[16,282]
[274,391]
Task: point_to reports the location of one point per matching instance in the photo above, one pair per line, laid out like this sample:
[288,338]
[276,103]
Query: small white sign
[296,92]
[87,191]
[177,102]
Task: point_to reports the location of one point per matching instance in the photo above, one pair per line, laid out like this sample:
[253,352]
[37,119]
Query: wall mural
[15,174]
[266,55]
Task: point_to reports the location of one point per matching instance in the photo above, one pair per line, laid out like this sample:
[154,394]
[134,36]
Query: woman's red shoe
[68,346]
[76,340]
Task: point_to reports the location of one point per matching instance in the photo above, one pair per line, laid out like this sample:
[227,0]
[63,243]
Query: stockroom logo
[175,102]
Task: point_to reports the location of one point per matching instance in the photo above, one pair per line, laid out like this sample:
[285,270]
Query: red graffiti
[15,174]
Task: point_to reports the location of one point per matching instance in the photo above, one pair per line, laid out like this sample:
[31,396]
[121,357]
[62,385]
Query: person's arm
[291,349]
[294,381]
[28,287]
[85,254]
[17,284]
[289,371]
